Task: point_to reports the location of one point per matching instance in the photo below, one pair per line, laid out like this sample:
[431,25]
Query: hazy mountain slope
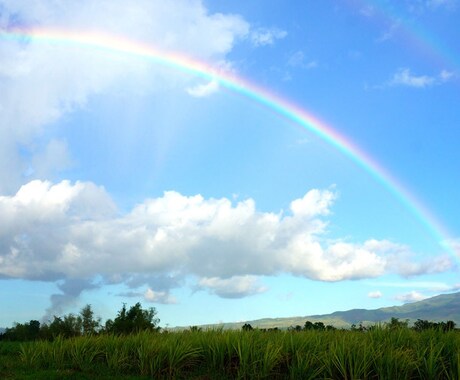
[439,308]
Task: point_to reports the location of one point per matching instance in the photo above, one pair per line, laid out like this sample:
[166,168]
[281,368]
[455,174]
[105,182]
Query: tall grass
[376,354]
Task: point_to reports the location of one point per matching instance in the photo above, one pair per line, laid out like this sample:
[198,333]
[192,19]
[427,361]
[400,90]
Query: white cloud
[298,59]
[432,286]
[445,75]
[264,36]
[159,297]
[376,294]
[233,287]
[314,203]
[73,231]
[412,296]
[400,259]
[203,90]
[42,81]
[453,244]
[404,77]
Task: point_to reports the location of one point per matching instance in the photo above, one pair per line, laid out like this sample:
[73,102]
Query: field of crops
[377,354]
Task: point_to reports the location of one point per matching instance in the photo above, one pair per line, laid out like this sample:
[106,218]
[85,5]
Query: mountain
[440,308]
[444,307]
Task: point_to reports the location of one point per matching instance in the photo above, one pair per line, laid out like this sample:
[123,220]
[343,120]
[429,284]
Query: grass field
[377,354]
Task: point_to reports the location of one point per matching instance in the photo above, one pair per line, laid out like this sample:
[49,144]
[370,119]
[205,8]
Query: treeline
[127,321]
[308,326]
[393,324]
[136,319]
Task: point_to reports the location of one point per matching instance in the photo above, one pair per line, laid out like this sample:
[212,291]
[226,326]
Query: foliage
[89,324]
[247,327]
[319,326]
[379,353]
[421,325]
[76,346]
[133,320]
[22,331]
[84,324]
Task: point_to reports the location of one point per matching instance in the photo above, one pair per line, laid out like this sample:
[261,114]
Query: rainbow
[283,107]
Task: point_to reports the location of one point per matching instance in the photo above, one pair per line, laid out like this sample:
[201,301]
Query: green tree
[319,326]
[68,326]
[396,324]
[23,331]
[422,324]
[308,326]
[89,324]
[133,320]
[247,327]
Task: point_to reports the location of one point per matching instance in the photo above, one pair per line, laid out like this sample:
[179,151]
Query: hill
[439,308]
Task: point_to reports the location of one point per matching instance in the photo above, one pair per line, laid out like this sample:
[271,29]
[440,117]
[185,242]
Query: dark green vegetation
[129,321]
[131,346]
[389,352]
[440,308]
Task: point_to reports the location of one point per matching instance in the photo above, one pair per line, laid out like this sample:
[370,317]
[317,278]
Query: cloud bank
[74,233]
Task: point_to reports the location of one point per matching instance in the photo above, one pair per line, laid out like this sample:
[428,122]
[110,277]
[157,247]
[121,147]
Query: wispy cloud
[298,59]
[376,294]
[454,244]
[37,90]
[203,90]
[405,77]
[390,32]
[431,286]
[266,36]
[449,4]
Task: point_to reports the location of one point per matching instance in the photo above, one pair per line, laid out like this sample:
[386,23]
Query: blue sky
[125,181]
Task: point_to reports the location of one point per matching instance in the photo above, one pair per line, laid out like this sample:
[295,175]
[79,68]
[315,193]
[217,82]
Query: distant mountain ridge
[445,307]
[440,308]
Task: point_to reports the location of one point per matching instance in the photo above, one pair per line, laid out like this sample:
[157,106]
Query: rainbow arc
[272,101]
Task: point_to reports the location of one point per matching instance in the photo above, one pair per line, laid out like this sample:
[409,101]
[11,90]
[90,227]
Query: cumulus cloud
[404,77]
[401,260]
[233,287]
[42,81]
[376,294]
[412,296]
[68,231]
[159,297]
[266,36]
